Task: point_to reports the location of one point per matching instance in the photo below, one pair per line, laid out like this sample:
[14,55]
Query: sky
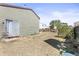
[65,12]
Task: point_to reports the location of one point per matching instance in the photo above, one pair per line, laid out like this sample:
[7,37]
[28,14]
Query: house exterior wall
[28,21]
[1,28]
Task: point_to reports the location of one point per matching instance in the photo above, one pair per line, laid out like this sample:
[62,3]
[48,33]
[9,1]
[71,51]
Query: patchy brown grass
[34,45]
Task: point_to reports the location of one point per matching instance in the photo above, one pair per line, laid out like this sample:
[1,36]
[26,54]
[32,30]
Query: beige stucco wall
[1,28]
[29,23]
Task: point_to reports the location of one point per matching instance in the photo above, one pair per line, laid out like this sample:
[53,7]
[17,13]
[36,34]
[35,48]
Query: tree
[54,23]
[63,28]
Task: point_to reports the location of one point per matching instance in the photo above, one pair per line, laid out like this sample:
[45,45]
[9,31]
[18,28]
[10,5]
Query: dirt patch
[34,45]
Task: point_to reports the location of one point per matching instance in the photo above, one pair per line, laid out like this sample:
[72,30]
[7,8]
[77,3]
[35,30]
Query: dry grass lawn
[34,45]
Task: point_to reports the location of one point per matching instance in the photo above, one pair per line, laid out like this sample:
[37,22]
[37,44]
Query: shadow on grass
[54,43]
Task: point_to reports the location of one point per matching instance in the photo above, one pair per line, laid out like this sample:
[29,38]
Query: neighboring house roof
[43,26]
[12,6]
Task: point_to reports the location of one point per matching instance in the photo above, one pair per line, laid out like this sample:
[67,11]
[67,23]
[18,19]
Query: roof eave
[12,6]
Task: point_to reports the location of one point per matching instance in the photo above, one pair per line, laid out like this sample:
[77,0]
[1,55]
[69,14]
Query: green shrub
[63,28]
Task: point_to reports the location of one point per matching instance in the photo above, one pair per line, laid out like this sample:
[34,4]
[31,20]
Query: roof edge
[18,7]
